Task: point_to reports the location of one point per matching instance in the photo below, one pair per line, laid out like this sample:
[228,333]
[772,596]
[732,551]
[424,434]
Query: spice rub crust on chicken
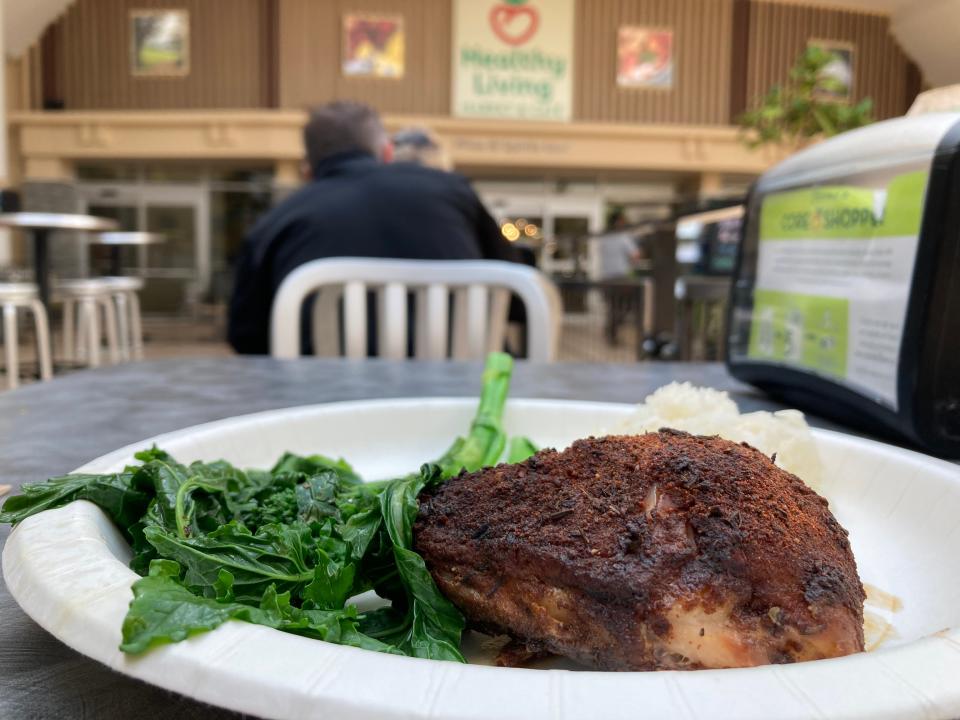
[657,551]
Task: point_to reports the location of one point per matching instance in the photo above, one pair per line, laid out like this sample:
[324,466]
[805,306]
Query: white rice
[704,411]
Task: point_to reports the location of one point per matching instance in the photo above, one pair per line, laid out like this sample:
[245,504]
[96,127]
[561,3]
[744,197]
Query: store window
[203,210]
[172,173]
[107,172]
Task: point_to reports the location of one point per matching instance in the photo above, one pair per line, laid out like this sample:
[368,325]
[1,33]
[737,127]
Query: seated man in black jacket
[356,204]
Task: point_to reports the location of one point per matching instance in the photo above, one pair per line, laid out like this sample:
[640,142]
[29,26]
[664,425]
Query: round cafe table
[49,429]
[39,226]
[117,240]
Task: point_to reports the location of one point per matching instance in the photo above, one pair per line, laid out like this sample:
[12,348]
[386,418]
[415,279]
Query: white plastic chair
[481,297]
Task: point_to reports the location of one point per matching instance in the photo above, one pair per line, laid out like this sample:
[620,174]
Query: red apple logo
[514,21]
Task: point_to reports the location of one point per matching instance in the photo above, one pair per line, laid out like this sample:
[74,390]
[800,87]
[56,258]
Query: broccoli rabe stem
[484,445]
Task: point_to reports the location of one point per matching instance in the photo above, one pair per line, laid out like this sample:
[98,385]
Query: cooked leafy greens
[286,548]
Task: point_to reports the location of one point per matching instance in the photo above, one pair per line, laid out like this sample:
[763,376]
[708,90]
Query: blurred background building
[183,116]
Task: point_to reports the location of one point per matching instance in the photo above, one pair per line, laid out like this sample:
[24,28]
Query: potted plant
[809,106]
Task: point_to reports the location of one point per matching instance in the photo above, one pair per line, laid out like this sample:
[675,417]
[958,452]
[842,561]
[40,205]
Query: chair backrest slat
[326,325]
[478,312]
[481,292]
[355,319]
[433,318]
[459,348]
[392,321]
[499,312]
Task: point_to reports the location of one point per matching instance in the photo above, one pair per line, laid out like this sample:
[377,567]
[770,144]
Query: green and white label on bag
[834,272]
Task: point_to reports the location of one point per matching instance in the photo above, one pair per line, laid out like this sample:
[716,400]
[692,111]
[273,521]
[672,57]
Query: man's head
[341,127]
[420,146]
[616,219]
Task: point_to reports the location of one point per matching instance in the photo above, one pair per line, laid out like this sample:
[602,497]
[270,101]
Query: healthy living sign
[513,59]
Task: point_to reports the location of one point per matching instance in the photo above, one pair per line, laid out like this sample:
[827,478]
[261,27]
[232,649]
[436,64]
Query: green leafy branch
[809,105]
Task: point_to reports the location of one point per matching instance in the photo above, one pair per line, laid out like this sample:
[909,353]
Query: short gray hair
[340,127]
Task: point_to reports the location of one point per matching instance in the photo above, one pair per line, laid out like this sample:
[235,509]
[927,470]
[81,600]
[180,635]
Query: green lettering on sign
[805,330]
[840,211]
[532,61]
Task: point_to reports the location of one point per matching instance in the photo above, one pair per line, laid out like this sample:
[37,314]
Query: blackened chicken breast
[658,551]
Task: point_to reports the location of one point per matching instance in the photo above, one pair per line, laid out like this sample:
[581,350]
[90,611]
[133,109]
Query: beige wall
[262,53]
[310,47]
[779,33]
[50,142]
[702,32]
[228,48]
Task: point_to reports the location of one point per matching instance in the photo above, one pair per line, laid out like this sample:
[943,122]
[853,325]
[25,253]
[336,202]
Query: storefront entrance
[555,227]
[204,210]
[177,271]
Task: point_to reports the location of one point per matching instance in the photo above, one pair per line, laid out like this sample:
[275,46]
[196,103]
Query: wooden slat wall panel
[738,56]
[780,32]
[310,55]
[227,54]
[702,31]
[35,77]
[241,60]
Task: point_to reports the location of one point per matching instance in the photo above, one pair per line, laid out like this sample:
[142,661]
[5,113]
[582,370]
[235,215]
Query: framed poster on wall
[644,57]
[840,72]
[159,43]
[373,46]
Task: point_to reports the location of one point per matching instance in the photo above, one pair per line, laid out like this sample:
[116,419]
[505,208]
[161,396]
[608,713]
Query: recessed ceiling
[928,31]
[25,20]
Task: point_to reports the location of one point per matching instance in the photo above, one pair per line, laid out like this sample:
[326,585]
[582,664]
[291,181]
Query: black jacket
[357,207]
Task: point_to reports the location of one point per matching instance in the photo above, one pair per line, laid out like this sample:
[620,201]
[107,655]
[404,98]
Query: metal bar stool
[125,289]
[13,297]
[125,294]
[83,301]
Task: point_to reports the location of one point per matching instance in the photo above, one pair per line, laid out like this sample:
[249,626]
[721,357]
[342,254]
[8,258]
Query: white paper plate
[67,569]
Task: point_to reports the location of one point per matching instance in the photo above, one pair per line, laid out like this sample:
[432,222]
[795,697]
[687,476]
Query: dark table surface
[51,428]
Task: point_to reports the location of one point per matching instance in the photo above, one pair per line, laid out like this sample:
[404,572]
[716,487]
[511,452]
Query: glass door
[555,225]
[521,222]
[177,271]
[573,222]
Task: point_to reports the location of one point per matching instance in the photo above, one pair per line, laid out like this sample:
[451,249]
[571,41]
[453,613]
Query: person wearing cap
[420,146]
